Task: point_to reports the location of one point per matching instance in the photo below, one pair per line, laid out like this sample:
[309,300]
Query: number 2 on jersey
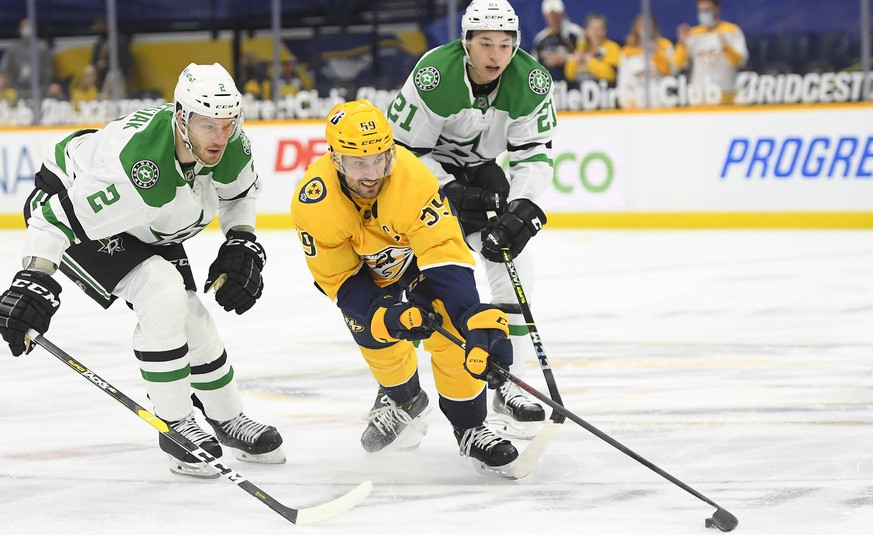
[100,199]
[397,107]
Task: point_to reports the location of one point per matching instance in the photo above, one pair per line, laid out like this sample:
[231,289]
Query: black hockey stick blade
[308,515]
[722,520]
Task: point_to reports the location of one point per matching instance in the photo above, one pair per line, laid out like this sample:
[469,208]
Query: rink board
[729,167]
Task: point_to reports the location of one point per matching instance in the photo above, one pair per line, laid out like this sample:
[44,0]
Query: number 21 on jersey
[397,108]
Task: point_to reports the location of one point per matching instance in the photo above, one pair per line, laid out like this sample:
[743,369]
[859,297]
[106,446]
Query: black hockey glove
[486,329]
[392,320]
[522,220]
[472,202]
[241,259]
[29,303]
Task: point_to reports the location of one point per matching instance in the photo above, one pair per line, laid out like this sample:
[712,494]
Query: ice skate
[183,462]
[515,415]
[491,455]
[395,425]
[249,440]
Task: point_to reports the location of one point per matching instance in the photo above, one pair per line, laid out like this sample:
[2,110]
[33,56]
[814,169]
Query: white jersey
[709,60]
[125,178]
[437,117]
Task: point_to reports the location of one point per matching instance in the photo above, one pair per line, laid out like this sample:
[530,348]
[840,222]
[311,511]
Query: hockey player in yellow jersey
[375,228]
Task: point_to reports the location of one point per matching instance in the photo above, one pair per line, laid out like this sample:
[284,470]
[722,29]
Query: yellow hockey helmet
[358,128]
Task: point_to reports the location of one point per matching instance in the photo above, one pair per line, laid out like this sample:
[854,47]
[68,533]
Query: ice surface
[741,362]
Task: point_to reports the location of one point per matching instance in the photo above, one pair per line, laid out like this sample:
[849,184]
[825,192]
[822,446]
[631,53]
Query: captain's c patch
[313,191]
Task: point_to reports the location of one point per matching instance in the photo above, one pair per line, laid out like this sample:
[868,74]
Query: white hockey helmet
[490,15]
[208,90]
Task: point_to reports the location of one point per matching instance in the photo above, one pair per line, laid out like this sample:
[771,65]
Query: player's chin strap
[184,133]
[469,61]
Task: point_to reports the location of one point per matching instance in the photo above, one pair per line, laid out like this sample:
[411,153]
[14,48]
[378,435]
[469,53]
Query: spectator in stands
[290,82]
[8,94]
[85,88]
[596,57]
[554,43]
[633,68]
[715,48]
[56,90]
[101,61]
[252,77]
[16,63]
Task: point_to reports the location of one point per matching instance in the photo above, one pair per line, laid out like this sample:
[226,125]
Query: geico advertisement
[740,160]
[589,173]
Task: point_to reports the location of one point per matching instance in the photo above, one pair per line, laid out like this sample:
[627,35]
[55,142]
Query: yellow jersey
[409,223]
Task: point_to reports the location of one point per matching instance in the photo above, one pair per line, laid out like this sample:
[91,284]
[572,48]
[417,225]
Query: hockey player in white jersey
[465,104]
[111,208]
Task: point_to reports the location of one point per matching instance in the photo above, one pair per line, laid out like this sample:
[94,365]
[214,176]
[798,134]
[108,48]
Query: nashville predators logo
[389,264]
[353,324]
[144,173]
[313,191]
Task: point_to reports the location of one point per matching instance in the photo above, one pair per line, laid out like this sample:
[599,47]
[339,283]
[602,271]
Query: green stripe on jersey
[52,219]
[535,158]
[216,384]
[166,377]
[518,330]
[61,150]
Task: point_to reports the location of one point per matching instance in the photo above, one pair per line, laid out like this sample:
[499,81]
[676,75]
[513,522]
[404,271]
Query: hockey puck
[710,523]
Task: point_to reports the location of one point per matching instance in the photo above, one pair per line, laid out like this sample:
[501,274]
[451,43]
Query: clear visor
[212,129]
[366,167]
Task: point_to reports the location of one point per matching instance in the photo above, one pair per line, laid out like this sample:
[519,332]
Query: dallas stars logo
[111,245]
[144,173]
[427,78]
[463,152]
[539,82]
[182,234]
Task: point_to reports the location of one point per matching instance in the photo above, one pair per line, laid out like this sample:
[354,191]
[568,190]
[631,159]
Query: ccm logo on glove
[38,289]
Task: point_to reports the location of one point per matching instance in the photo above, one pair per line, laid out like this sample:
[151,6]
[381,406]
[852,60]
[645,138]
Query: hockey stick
[532,453]
[721,519]
[308,515]
[556,417]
